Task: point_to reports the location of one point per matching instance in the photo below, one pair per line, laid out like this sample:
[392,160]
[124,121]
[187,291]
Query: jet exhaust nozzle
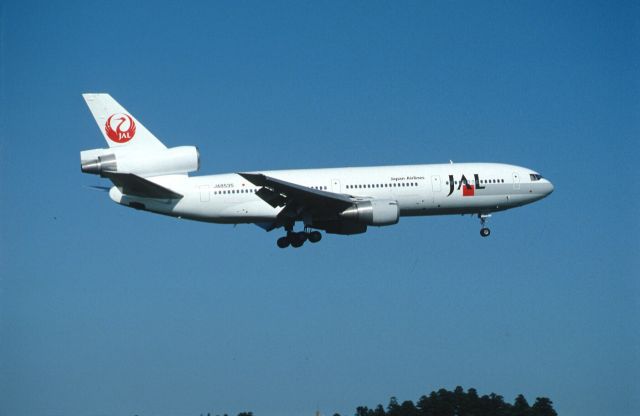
[106,163]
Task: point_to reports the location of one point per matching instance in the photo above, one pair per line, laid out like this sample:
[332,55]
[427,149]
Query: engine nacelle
[374,212]
[177,160]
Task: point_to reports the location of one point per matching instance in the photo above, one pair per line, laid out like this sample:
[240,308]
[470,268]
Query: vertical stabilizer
[118,126]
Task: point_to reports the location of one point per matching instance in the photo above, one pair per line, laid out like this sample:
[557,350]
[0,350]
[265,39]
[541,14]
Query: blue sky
[110,311]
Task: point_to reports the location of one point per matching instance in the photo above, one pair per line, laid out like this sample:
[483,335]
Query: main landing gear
[296,240]
[484,231]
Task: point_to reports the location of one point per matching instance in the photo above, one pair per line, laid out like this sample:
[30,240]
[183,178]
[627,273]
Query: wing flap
[131,184]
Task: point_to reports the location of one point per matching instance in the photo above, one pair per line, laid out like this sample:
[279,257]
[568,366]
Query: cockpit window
[535,177]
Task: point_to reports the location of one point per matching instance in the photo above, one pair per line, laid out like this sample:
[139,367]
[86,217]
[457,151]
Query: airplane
[148,176]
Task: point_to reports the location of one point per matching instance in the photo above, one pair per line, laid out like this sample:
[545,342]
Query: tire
[283,242]
[314,236]
[485,232]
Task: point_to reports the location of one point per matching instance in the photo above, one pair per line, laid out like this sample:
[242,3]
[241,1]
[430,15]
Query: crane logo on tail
[120,127]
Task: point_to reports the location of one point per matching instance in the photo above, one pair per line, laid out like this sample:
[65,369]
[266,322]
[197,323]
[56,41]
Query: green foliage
[457,403]
[461,403]
[543,407]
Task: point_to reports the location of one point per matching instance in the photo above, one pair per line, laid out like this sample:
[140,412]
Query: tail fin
[118,126]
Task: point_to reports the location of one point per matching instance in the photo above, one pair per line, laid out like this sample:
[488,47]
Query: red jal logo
[120,132]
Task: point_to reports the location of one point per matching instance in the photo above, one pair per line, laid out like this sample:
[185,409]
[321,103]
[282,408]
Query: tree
[393,409]
[407,408]
[379,411]
[362,411]
[543,407]
[521,406]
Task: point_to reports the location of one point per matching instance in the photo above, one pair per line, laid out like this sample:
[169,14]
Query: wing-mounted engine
[176,160]
[374,212]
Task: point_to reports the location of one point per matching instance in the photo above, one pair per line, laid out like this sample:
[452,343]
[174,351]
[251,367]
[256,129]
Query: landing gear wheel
[484,231]
[314,236]
[297,239]
[283,242]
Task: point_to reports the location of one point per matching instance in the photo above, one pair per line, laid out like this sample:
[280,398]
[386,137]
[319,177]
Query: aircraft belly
[468,205]
[250,211]
[223,211]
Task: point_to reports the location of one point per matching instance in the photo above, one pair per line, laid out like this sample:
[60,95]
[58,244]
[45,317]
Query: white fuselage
[439,189]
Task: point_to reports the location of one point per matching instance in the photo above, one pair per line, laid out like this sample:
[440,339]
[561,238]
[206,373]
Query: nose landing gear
[484,231]
[296,240]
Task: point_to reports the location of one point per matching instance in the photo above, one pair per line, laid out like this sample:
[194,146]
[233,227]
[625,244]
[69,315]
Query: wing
[277,192]
[323,210]
[300,202]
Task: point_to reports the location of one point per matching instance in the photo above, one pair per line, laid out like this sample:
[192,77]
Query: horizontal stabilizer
[99,188]
[131,184]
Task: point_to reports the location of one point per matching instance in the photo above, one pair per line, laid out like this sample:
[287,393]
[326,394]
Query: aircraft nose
[549,188]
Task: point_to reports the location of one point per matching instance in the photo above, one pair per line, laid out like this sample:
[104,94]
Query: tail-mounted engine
[177,160]
[374,212]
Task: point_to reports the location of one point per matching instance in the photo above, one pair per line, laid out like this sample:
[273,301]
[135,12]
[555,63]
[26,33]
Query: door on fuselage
[205,193]
[335,186]
[436,190]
